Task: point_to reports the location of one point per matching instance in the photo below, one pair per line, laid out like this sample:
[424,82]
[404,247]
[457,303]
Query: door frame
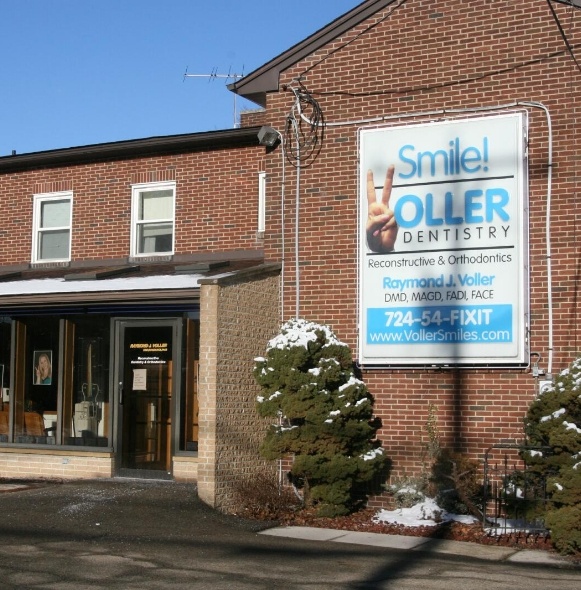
[117,375]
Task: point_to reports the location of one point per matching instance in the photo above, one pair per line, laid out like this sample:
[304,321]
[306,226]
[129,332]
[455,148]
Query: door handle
[120,393]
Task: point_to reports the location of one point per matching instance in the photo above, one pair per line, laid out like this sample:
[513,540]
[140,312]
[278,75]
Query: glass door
[146,371]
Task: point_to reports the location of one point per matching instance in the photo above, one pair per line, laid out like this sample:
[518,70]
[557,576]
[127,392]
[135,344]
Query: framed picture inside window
[42,364]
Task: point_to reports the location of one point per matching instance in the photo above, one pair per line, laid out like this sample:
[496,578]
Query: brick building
[475,103]
[127,268]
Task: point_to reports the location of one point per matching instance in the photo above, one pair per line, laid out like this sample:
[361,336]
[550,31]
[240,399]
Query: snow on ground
[428,513]
[425,513]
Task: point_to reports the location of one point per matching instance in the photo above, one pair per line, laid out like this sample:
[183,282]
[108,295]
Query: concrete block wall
[38,464]
[207,393]
[237,321]
[413,57]
[185,469]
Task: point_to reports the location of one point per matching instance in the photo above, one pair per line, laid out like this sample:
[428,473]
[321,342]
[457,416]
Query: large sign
[443,243]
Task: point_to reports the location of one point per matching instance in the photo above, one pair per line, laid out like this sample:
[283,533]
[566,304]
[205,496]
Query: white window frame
[261,202]
[136,191]
[37,230]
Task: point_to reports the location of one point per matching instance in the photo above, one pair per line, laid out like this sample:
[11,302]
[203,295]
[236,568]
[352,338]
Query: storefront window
[5,337]
[90,399]
[58,392]
[188,440]
[35,382]
[55,378]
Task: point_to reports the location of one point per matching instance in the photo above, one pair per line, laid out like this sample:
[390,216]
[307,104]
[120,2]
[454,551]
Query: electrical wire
[573,102]
[451,83]
[570,49]
[304,132]
[360,34]
[563,34]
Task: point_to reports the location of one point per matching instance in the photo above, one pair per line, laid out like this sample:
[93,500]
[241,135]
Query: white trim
[136,191]
[261,202]
[118,284]
[38,200]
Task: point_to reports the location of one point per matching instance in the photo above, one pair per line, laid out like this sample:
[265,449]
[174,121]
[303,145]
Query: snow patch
[300,333]
[425,513]
[372,454]
[571,426]
[555,414]
[352,381]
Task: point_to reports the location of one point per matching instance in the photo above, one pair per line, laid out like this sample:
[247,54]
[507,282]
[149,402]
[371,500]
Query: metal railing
[515,495]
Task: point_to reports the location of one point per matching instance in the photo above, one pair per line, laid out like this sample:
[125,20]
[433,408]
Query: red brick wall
[425,56]
[253,118]
[216,203]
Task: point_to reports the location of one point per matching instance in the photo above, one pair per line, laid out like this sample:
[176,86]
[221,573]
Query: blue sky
[78,72]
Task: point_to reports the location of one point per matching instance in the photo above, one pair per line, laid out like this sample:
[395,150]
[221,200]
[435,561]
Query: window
[52,218]
[58,393]
[152,228]
[56,373]
[5,356]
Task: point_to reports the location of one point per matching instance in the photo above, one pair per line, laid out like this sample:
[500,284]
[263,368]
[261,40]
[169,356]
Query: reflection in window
[189,408]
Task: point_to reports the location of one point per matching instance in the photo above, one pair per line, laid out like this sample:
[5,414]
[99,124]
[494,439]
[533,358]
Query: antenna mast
[212,76]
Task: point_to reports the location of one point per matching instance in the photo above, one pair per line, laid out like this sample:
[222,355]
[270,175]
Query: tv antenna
[213,75]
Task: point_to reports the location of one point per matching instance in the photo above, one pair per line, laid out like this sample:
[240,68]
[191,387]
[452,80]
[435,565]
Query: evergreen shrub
[553,423]
[324,418]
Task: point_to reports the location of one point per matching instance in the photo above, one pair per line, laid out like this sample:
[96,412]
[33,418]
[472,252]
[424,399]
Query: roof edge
[265,79]
[133,148]
[258,83]
[254,273]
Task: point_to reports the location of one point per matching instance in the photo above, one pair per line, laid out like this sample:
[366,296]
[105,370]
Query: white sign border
[521,359]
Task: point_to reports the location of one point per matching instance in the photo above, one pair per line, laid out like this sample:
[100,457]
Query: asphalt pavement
[142,534]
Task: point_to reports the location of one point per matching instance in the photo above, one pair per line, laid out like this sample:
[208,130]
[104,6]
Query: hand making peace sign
[381,227]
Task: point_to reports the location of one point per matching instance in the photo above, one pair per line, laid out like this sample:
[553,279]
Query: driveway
[135,534]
